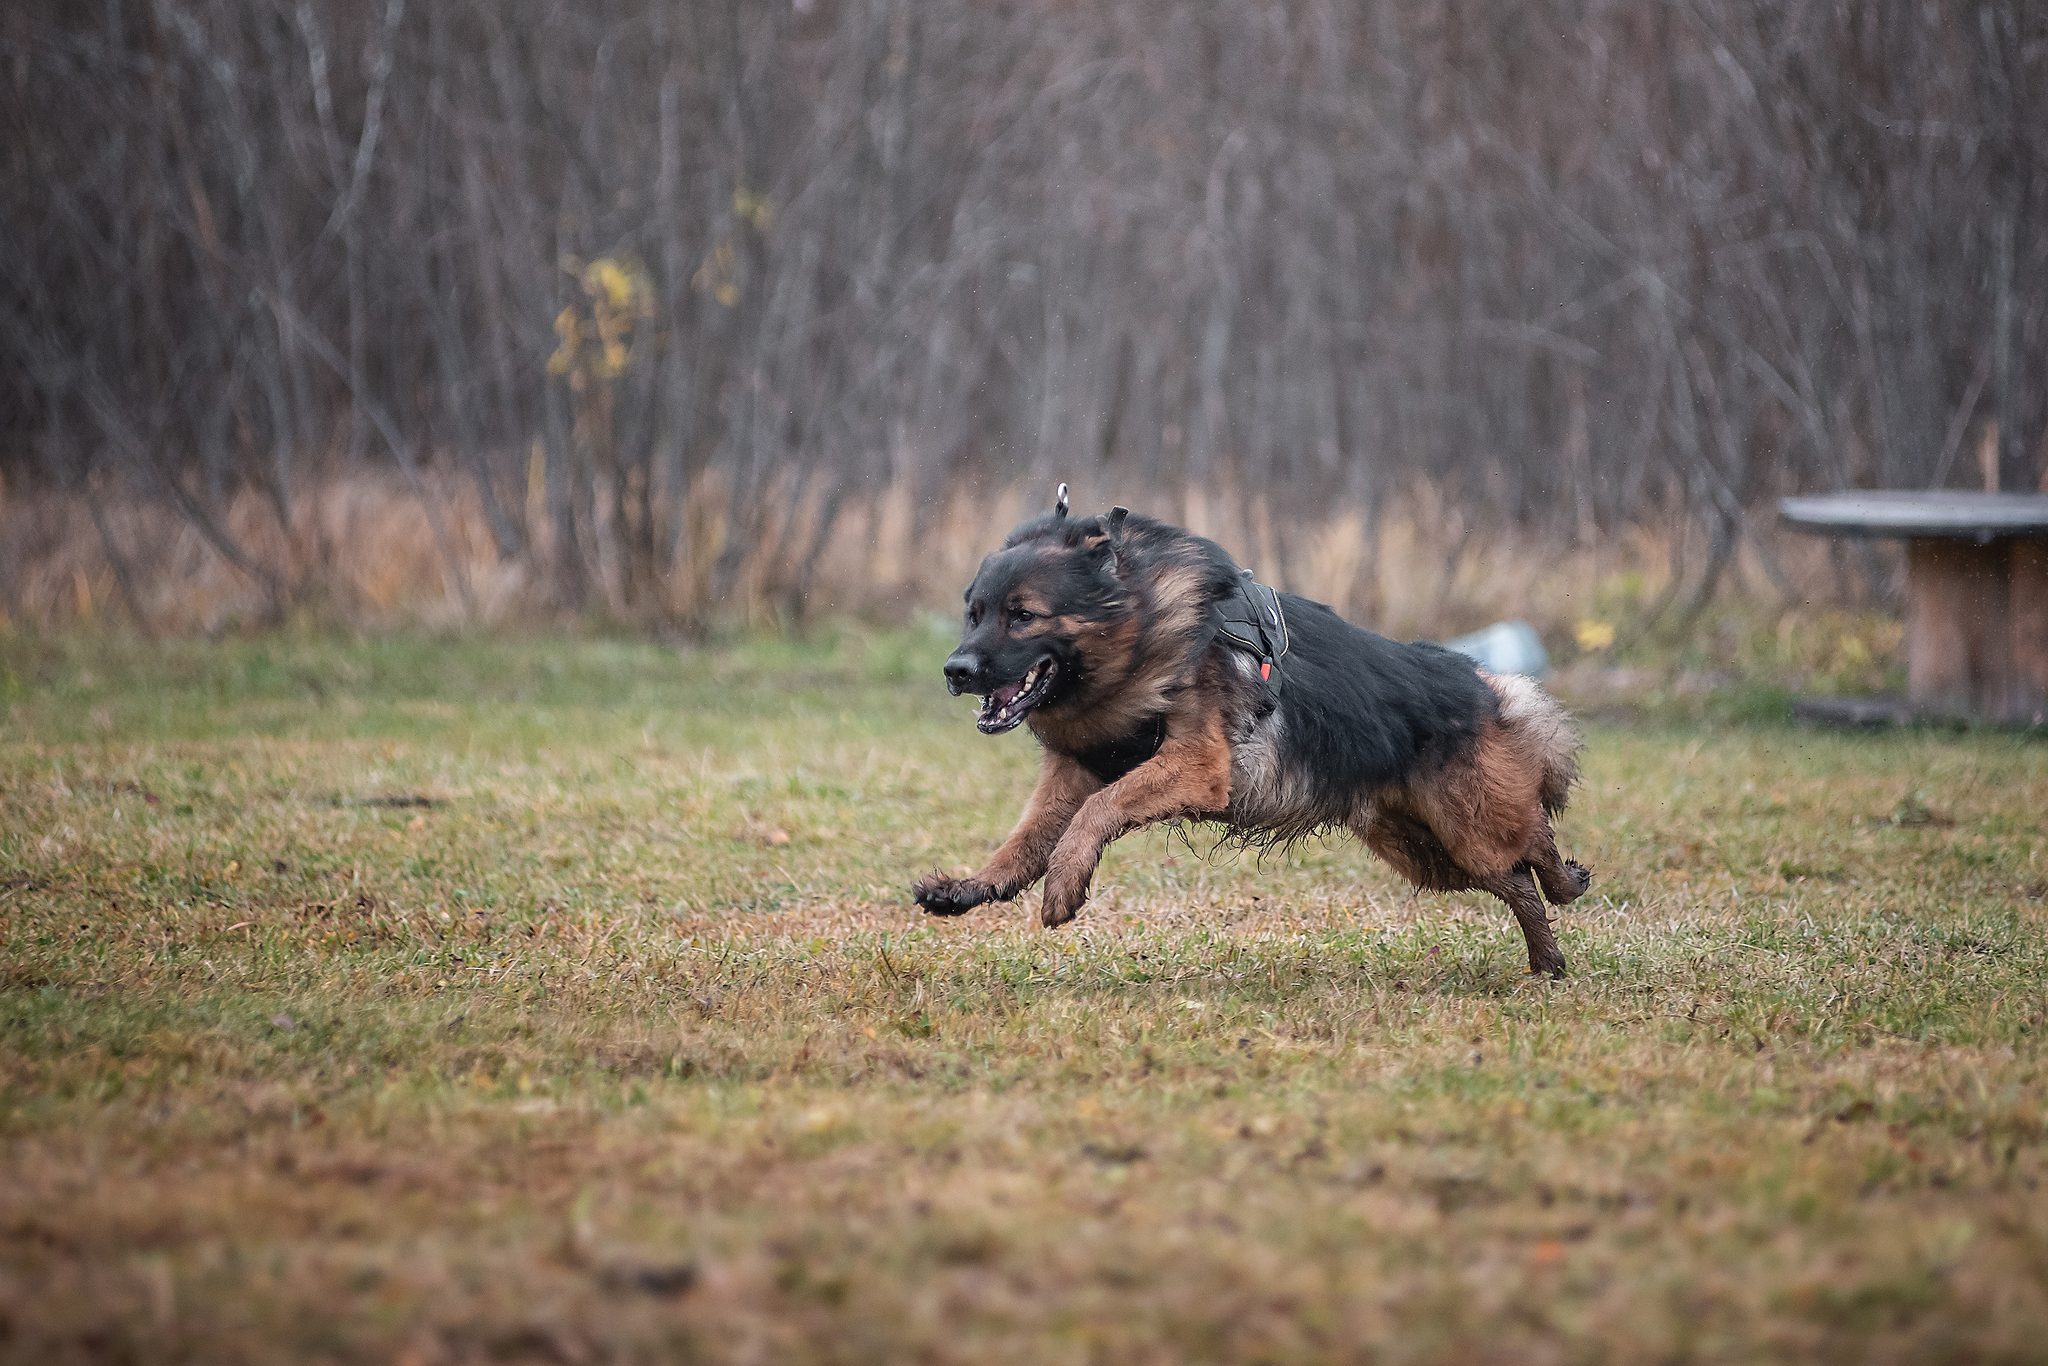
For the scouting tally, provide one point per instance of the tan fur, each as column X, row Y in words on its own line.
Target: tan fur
column 1112, row 658
column 1181, row 602
column 1138, row 664
column 1542, row 730
column 1189, row 777
column 1484, row 810
column 1483, row 824
column 1063, row 786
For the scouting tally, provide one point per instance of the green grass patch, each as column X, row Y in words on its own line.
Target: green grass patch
column 440, row 1000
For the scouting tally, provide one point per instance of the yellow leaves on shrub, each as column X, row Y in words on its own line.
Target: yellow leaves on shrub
column 621, row 295
column 570, row 332
column 1593, row 635
column 754, row 208
column 608, row 280
column 719, row 275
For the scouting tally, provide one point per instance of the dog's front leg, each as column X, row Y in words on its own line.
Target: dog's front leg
column 1063, row 785
column 1188, row 777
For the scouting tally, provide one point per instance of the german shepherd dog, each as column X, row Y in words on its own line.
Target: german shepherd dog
column 1125, row 644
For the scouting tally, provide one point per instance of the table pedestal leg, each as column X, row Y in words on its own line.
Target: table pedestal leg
column 2027, row 616
column 1958, row 637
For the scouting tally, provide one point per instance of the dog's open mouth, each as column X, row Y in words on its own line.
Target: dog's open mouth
column 1002, row 709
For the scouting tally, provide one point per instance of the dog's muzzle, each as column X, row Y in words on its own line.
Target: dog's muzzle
column 962, row 671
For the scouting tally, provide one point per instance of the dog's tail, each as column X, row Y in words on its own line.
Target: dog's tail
column 1544, row 730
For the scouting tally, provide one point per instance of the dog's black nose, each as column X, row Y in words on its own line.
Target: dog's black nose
column 961, row 671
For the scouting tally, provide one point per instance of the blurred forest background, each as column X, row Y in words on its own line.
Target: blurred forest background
column 454, row 310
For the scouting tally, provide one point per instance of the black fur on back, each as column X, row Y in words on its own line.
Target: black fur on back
column 1361, row 711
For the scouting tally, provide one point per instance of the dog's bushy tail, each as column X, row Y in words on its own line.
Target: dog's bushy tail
column 1545, row 730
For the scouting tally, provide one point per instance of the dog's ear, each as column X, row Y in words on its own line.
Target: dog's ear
column 1113, row 527
column 1059, row 505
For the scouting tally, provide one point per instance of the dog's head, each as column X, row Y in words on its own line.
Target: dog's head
column 1033, row 612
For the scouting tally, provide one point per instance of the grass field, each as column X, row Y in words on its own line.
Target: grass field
column 431, row 1001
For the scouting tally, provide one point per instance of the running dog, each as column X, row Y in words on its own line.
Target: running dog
column 1164, row 685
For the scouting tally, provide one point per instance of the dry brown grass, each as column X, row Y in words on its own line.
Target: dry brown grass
column 360, row 553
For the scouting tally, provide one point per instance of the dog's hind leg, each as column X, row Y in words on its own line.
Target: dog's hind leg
column 1562, row 880
column 1413, row 850
column 1518, row 888
column 1063, row 785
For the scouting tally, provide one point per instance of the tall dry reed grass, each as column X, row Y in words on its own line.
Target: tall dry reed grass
column 362, row 551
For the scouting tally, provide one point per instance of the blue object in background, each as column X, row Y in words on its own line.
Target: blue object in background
column 1506, row 647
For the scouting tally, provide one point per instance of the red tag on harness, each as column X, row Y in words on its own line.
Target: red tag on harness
column 1266, row 671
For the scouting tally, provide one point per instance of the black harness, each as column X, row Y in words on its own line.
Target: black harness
column 1250, row 619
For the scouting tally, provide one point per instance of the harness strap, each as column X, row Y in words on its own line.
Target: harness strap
column 1253, row 620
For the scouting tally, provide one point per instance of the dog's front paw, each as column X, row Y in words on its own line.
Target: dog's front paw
column 942, row 895
column 1062, row 902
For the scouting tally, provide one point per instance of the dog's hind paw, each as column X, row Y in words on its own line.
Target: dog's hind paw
column 942, row 895
column 1567, row 884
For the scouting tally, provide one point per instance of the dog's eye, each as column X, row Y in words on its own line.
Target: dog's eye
column 1019, row 617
